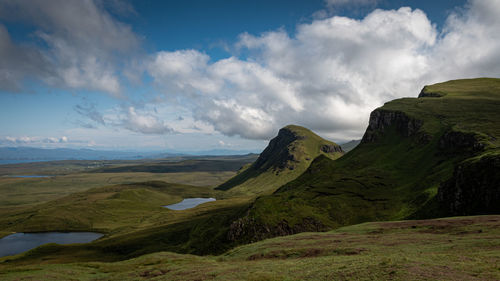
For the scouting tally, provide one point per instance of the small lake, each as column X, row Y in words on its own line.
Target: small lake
column 21, row 242
column 188, row 203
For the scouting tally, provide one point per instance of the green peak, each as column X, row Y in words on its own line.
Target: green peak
column 285, row 158
column 303, row 133
column 477, row 87
column 296, row 128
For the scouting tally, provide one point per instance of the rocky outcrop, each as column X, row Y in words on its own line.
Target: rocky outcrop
column 276, row 154
column 331, row 148
column 474, row 188
column 248, row 230
column 381, row 120
column 426, row 93
column 453, row 142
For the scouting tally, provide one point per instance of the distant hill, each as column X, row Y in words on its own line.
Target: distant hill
column 217, row 152
column 184, row 164
column 432, row 156
column 12, row 155
column 350, row 145
column 286, row 157
column 26, row 154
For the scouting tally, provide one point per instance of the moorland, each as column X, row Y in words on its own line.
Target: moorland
column 417, row 198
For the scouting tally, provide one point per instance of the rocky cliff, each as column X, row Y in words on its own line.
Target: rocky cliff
column 454, row 142
column 474, row 188
column 431, row 156
column 277, row 154
column 248, row 230
column 381, row 120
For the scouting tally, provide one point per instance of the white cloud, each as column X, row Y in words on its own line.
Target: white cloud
column 80, row 41
column 229, row 94
column 33, row 140
column 470, row 43
column 332, row 72
column 17, row 62
column 145, row 123
column 328, row 75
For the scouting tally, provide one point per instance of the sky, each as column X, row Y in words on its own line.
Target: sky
column 198, row 75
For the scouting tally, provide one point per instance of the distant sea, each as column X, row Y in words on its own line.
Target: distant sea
column 4, row 162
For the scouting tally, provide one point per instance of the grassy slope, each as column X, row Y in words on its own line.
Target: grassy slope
column 30, row 191
column 72, row 176
column 105, row 209
column 130, row 212
column 268, row 176
column 394, row 177
column 465, row 248
column 388, row 179
column 133, row 219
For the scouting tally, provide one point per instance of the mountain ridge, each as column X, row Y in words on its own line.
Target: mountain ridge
column 285, row 158
column 409, row 164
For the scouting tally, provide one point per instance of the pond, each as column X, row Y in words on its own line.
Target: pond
column 188, row 203
column 20, row 242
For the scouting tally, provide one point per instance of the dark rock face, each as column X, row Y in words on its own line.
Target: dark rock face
column 474, row 188
column 331, row 148
column 248, row 230
column 277, row 151
column 429, row 95
column 459, row 142
column 381, row 120
column 426, row 94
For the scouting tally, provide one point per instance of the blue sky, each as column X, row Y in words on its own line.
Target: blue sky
column 200, row 75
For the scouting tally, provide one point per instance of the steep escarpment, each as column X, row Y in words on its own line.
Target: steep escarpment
column 381, row 120
column 473, row 189
column 455, row 142
column 248, row 230
column 285, row 158
column 276, row 155
column 420, row 157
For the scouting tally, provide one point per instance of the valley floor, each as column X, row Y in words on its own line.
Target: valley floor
column 460, row 248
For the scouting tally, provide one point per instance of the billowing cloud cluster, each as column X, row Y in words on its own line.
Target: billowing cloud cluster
column 31, row 140
column 145, row 123
column 328, row 75
column 79, row 44
column 332, row 72
column 139, row 120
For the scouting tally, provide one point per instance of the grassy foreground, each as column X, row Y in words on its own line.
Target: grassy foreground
column 460, row 248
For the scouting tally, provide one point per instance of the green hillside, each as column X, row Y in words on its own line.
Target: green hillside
column 431, row 156
column 286, row 157
column 464, row 248
column 133, row 220
column 109, row 209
